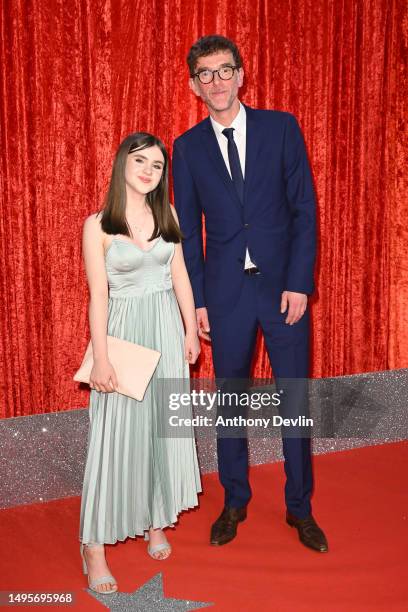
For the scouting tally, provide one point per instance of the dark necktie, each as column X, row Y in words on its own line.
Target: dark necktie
column 235, row 165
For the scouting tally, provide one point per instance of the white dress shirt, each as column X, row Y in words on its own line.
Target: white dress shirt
column 239, row 125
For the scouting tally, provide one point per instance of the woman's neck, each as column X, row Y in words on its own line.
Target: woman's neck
column 135, row 203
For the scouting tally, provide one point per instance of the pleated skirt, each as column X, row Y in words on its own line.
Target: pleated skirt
column 136, row 478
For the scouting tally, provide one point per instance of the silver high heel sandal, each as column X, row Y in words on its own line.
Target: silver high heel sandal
column 98, row 581
column 154, row 549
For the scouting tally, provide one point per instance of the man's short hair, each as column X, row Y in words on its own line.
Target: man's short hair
column 208, row 45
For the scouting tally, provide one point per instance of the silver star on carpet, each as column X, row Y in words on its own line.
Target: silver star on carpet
column 148, row 598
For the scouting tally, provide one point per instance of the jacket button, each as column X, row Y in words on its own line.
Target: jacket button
column 246, row 225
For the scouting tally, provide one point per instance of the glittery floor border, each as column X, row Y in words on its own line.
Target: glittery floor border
column 43, row 456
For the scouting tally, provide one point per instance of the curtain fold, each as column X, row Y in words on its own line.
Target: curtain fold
column 78, row 76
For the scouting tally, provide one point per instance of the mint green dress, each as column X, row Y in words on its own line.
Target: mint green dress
column 134, row 478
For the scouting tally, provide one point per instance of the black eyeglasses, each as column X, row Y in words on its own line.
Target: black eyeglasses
column 225, row 73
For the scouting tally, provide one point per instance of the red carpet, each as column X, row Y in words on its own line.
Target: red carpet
column 361, row 501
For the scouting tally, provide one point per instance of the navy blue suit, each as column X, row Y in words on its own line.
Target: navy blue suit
column 277, row 222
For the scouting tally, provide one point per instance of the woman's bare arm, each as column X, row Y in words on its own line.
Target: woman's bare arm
column 94, row 259
column 185, row 299
column 93, row 253
column 182, row 287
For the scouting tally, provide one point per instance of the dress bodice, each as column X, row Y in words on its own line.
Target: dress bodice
column 133, row 271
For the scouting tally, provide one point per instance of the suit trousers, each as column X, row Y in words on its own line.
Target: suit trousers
column 233, row 338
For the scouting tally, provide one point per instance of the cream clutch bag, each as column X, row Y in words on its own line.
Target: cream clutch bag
column 134, row 366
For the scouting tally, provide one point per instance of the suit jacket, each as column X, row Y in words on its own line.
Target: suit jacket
column 277, row 220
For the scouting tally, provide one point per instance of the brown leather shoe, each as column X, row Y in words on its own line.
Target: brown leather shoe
column 309, row 531
column 225, row 527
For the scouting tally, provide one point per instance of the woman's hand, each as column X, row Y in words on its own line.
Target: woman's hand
column 192, row 347
column 103, row 377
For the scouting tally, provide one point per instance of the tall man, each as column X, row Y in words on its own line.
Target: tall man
column 247, row 171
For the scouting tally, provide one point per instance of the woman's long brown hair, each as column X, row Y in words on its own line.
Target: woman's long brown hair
column 113, row 220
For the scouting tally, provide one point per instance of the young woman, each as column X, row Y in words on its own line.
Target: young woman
column 136, row 482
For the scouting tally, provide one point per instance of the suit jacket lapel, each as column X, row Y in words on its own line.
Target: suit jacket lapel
column 253, row 140
column 214, row 152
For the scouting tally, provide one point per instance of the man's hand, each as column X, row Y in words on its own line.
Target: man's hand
column 297, row 303
column 203, row 324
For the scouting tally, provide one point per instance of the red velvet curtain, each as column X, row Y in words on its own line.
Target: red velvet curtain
column 80, row 75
